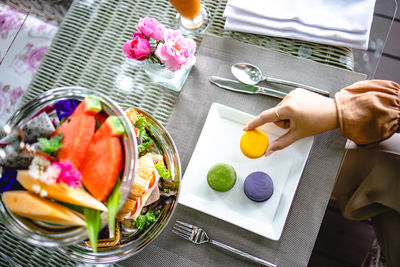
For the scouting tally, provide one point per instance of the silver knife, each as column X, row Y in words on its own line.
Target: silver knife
column 245, row 88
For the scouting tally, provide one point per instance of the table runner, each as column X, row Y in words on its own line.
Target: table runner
column 87, row 52
column 215, row 57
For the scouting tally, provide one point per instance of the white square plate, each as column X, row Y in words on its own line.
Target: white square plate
column 219, row 141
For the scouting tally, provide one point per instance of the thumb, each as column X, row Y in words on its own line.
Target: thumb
column 283, row 141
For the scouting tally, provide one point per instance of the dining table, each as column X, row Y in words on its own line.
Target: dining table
column 87, row 51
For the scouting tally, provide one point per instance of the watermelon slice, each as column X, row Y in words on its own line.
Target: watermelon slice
column 103, row 160
column 78, row 129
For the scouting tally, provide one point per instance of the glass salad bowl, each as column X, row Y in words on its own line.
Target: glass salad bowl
column 50, row 235
column 131, row 240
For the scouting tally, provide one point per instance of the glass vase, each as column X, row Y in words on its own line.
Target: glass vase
column 161, row 75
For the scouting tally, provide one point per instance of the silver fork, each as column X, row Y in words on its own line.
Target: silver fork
column 199, row 236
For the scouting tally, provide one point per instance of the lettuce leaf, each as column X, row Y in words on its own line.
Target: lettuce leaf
column 141, row 124
column 144, row 221
column 163, row 171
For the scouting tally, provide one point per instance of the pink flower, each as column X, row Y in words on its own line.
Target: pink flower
column 138, row 48
column 35, row 57
column 9, row 21
column 176, row 50
column 68, row 175
column 151, row 28
column 16, row 93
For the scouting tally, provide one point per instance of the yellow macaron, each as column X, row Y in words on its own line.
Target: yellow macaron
column 254, row 143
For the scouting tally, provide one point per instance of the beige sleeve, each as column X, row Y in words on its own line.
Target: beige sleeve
column 369, row 111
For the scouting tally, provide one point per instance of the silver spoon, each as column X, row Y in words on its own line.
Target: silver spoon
column 250, row 74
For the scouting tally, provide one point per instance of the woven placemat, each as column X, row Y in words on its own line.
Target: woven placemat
column 25, row 254
column 87, row 52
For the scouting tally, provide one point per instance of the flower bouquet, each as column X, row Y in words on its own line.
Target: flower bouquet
column 168, row 56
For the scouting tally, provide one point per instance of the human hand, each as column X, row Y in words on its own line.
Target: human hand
column 303, row 112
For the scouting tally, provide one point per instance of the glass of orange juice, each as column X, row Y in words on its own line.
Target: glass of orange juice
column 192, row 18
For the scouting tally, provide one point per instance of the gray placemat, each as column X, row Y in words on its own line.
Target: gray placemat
column 215, row 56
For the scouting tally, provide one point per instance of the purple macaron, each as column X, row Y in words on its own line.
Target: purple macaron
column 258, row 186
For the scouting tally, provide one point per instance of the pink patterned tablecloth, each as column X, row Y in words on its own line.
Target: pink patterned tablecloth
column 24, row 40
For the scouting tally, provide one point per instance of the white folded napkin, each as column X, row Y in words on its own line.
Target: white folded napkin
column 334, row 22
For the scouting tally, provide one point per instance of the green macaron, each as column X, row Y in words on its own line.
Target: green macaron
column 221, row 177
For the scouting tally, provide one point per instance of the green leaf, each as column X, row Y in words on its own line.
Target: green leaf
column 140, row 222
column 144, row 221
column 113, row 204
column 93, row 224
column 145, row 137
column 163, row 171
column 143, row 147
column 51, row 145
column 141, row 122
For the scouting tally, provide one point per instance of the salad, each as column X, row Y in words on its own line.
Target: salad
column 153, row 191
column 73, row 174
column 153, row 185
